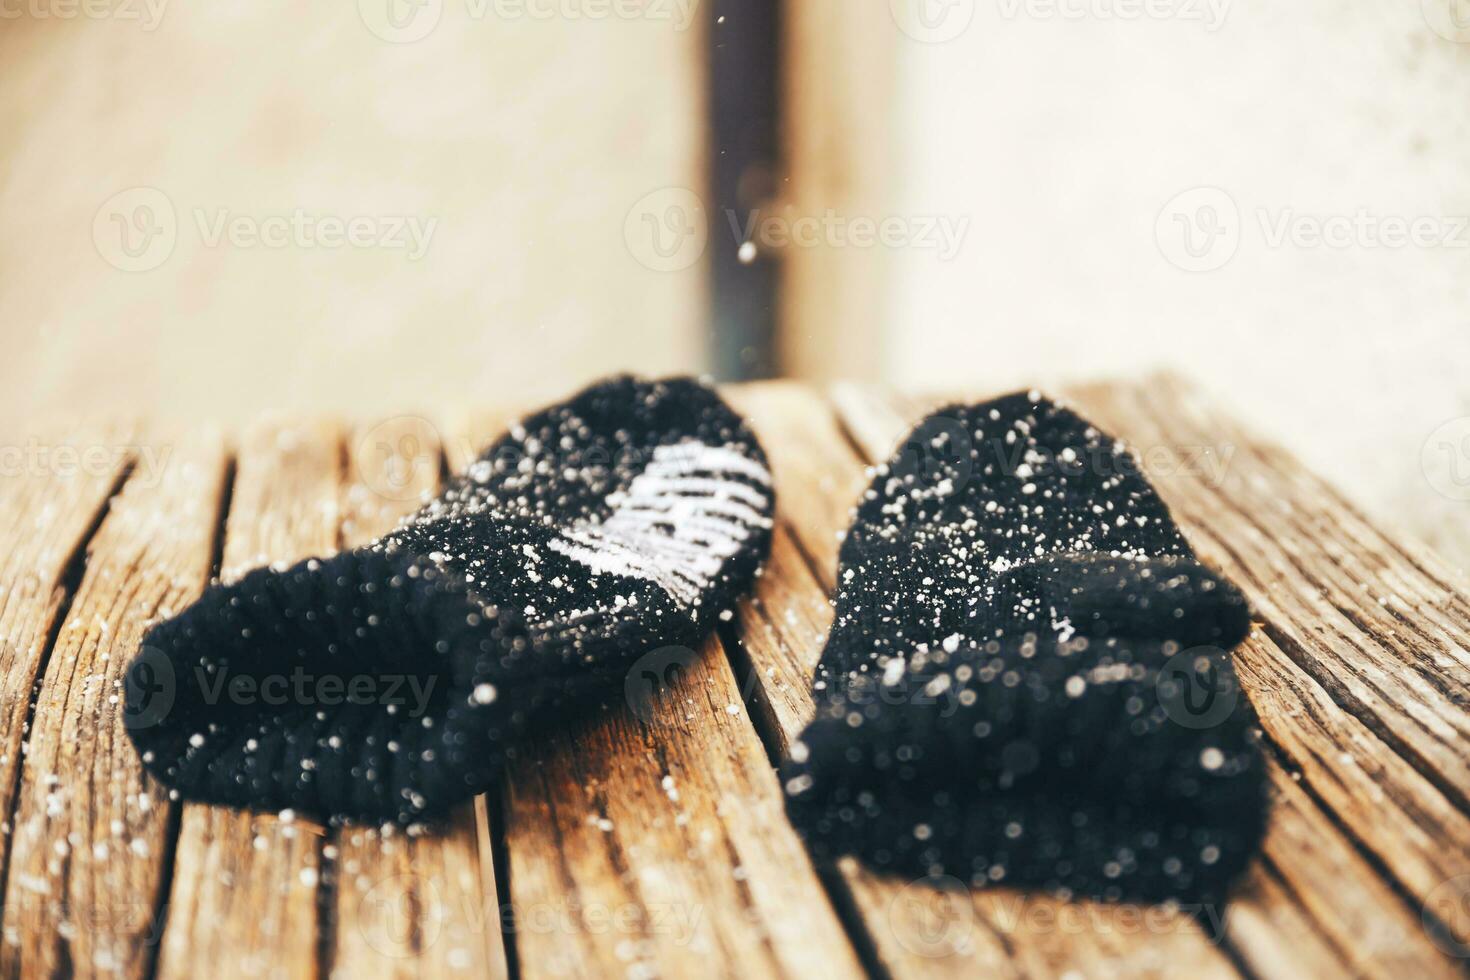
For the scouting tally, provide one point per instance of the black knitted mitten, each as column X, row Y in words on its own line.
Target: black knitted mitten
column 385, row 682
column 1028, row 680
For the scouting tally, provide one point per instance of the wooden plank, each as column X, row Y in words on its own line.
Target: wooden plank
column 1342, row 902
column 245, row 885
column 408, row 904
column 649, row 838
column 659, row 845
column 817, row 479
column 49, row 504
column 1273, row 933
column 90, row 832
column 1386, row 807
column 924, row 928
column 1384, row 803
column 791, row 613
column 940, row 928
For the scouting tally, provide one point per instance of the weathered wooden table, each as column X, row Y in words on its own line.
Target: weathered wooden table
column 650, row 839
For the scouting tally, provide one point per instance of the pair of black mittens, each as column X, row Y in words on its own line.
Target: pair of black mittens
column 1028, row 680
column 387, row 682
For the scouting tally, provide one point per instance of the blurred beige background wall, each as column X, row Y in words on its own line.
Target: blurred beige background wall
column 1271, row 197
column 228, row 208
column 356, row 206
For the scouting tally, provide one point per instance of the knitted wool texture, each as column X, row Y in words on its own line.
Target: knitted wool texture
column 1028, row 678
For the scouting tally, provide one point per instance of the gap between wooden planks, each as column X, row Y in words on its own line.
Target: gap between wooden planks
column 89, row 835
column 256, row 894
column 245, row 886
column 1400, row 816
column 47, row 514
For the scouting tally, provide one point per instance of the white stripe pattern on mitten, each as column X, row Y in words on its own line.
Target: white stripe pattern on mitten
column 678, row 520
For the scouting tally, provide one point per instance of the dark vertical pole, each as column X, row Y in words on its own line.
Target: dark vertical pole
column 744, row 129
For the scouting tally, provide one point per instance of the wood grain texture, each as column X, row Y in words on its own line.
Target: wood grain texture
column 1333, row 899
column 90, row 832
column 1384, row 804
column 649, row 838
column 1390, row 809
column 47, row 511
column 421, row 903
column 1361, row 673
column 940, row 928
column 416, row 904
column 921, row 928
column 245, row 887
column 1275, row 934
